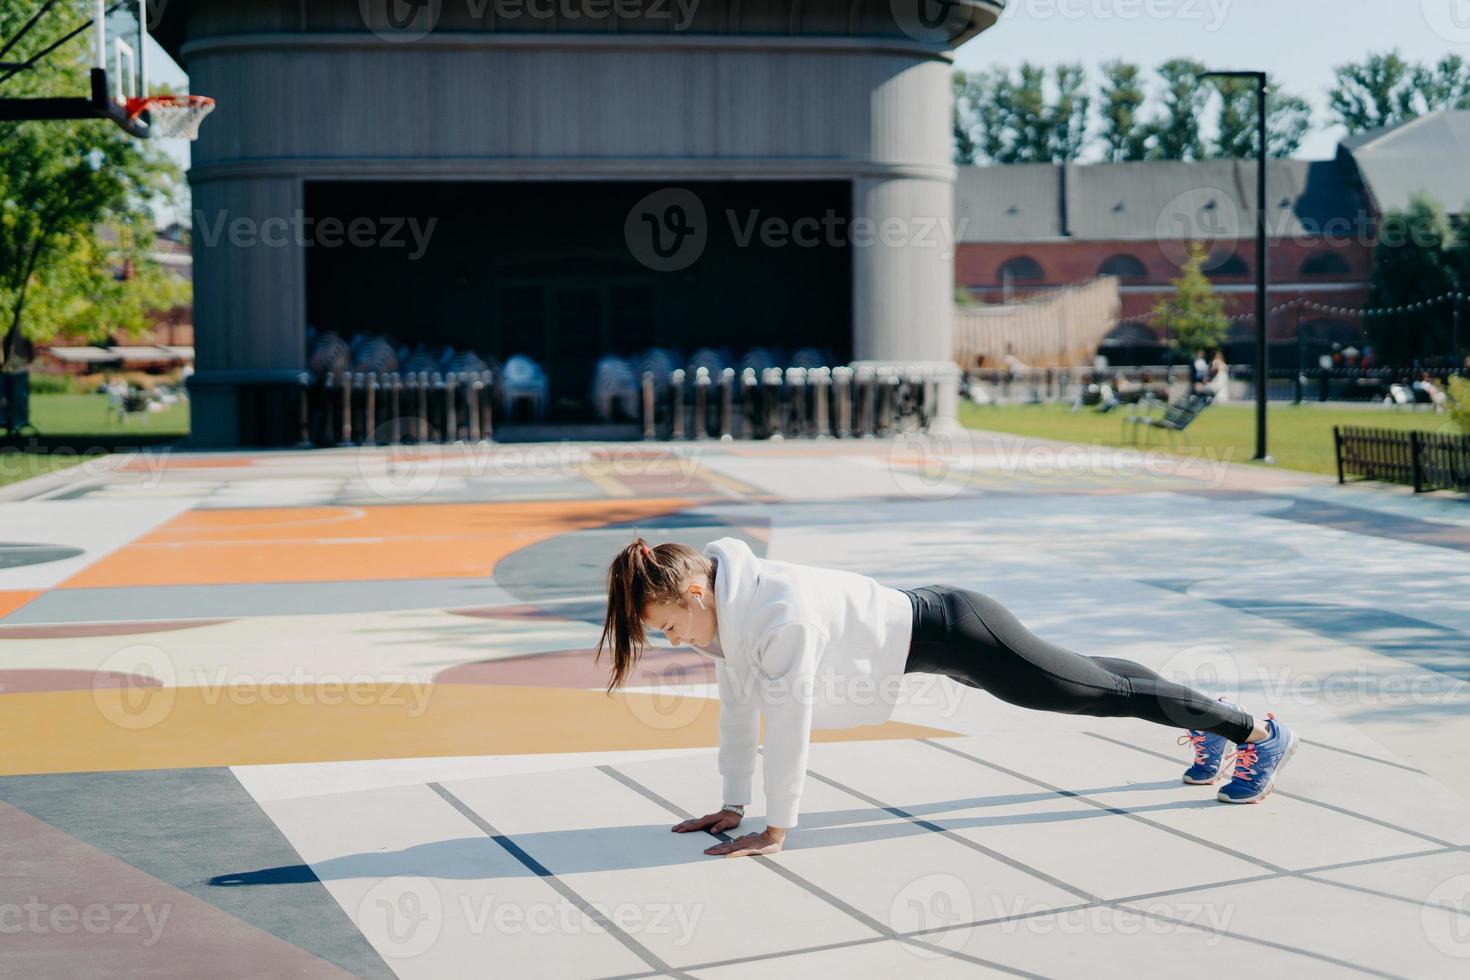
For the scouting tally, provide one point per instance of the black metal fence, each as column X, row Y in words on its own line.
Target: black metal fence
column 1424, row 460
column 357, row 408
column 1283, row 384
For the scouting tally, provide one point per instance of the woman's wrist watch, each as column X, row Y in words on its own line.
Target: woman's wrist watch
column 736, row 808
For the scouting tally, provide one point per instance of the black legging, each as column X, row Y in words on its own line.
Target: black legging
column 975, row 640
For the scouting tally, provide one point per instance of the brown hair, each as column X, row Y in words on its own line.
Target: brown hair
column 641, row 574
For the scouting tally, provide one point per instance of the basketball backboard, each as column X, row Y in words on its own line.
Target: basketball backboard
column 117, row 86
column 120, row 48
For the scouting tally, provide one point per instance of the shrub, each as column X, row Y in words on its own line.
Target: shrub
column 52, row 384
column 1459, row 402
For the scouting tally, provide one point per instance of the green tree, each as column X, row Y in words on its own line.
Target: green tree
column 1372, row 93
column 1016, row 119
column 61, row 184
column 1124, row 133
column 964, row 91
column 1029, row 119
column 1288, row 119
column 1175, row 130
column 1068, row 114
column 1385, row 90
column 1446, row 85
column 1194, row 317
column 1459, row 402
column 1419, row 255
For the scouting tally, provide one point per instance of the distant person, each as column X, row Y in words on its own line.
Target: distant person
column 1220, row 377
column 1436, row 395
column 117, row 391
column 1201, row 371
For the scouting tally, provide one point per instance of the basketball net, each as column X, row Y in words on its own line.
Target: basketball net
column 172, row 115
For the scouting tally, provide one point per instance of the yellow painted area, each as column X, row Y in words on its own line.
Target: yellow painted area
column 121, row 729
column 605, row 482
column 344, row 544
column 739, row 487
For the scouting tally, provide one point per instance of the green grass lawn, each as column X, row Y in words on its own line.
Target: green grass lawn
column 82, row 416
column 1298, row 436
column 86, row 415
column 15, row 467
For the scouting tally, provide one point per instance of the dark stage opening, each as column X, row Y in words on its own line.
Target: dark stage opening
column 565, row 272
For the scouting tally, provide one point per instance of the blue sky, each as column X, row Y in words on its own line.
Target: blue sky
column 1297, row 41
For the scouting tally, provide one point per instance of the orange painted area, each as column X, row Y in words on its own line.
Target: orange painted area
column 11, row 601
column 343, row 544
column 120, row 729
column 189, row 462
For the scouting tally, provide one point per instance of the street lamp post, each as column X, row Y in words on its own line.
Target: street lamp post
column 1259, row 77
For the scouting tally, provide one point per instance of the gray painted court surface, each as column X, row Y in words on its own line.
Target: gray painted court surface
column 472, row 817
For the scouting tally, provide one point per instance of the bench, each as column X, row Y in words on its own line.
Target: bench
column 1174, row 419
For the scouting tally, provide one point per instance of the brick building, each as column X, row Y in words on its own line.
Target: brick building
column 1036, row 227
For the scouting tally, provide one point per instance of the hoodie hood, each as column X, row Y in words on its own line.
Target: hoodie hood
column 736, row 577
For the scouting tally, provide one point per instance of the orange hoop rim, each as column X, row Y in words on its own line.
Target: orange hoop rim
column 136, row 107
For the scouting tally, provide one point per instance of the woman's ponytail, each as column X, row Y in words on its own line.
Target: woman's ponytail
column 638, row 575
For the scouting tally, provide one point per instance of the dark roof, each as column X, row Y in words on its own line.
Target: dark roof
column 1015, row 203
column 178, row 21
column 1149, row 200
column 1430, row 155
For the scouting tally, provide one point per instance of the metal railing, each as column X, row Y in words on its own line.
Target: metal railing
column 789, row 403
column 361, row 408
column 365, row 408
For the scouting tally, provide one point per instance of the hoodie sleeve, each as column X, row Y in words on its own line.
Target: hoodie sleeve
column 788, row 657
column 739, row 731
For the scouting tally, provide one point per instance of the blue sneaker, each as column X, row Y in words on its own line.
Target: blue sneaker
column 1209, row 753
column 1256, row 765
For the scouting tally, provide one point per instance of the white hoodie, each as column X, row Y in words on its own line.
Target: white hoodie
column 806, row 647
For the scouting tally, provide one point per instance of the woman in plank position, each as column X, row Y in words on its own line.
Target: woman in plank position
column 781, row 633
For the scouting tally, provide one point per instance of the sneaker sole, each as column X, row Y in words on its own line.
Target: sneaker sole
column 1270, row 783
column 1203, row 782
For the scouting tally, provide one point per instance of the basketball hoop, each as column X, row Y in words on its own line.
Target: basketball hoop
column 172, row 115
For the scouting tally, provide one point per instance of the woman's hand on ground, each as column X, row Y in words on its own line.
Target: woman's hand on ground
column 715, row 823
column 768, row 841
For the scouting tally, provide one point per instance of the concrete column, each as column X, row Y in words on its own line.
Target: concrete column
column 903, row 280
column 249, row 306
